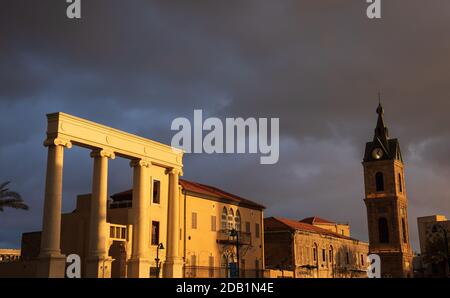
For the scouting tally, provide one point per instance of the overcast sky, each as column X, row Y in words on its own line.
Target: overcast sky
column 317, row 65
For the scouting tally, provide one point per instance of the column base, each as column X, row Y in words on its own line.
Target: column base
column 138, row 268
column 98, row 267
column 173, row 268
column 51, row 266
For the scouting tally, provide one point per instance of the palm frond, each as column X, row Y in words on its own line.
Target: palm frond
column 3, row 185
column 10, row 194
column 13, row 203
column 10, row 199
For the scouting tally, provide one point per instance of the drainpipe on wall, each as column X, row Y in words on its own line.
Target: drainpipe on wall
column 294, row 261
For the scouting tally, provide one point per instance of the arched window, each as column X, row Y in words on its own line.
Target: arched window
column 231, row 219
column 315, row 251
column 379, row 181
column 405, row 239
column 331, row 255
column 383, row 230
column 400, row 183
column 237, row 220
column 224, row 219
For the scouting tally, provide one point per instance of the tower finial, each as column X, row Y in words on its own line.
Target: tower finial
column 380, row 109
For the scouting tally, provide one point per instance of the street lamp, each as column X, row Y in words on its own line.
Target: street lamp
column 235, row 233
column 160, row 246
column 444, row 230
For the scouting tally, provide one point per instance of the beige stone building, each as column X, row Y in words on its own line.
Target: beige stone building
column 208, row 215
column 434, row 237
column 194, row 230
column 313, row 248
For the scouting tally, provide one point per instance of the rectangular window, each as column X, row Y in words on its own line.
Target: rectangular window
column 155, row 232
column 211, row 266
column 194, row 220
column 247, row 227
column 257, row 268
column 242, row 269
column 315, row 254
column 362, row 260
column 156, row 191
column 324, row 256
column 213, row 223
column 257, row 230
column 194, row 265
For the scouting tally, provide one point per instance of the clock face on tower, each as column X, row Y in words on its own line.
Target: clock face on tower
column 377, row 153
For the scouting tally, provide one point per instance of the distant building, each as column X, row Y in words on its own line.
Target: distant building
column 313, row 247
column 340, row 228
column 9, row 255
column 433, row 231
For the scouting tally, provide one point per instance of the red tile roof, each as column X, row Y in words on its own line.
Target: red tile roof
column 318, row 220
column 202, row 189
column 198, row 188
column 280, row 224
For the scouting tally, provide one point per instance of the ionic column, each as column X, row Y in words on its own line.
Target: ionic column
column 139, row 264
column 51, row 261
column 98, row 261
column 173, row 267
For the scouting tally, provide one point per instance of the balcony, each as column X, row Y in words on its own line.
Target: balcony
column 225, row 237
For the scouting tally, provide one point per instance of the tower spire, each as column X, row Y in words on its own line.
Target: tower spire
column 381, row 130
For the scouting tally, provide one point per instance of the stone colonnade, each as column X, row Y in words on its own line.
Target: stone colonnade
column 98, row 263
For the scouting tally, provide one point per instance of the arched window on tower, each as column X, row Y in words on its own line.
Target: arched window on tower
column 379, row 181
column 383, row 230
column 224, row 219
column 400, row 183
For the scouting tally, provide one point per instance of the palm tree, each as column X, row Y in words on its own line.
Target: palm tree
column 10, row 198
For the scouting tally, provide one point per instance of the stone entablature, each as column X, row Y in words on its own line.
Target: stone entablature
column 65, row 129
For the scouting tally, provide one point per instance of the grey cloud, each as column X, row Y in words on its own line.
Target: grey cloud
column 317, row 65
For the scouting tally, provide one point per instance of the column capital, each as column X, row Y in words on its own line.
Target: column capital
column 175, row 171
column 140, row 163
column 103, row 153
column 58, row 142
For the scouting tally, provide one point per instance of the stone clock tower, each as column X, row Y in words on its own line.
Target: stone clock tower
column 386, row 202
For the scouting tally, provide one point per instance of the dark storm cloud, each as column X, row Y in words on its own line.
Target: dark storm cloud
column 317, row 65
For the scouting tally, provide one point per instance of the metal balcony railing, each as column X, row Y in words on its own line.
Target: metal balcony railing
column 228, row 236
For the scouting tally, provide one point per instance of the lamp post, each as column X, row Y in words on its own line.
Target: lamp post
column 444, row 230
column 160, row 246
column 235, row 233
